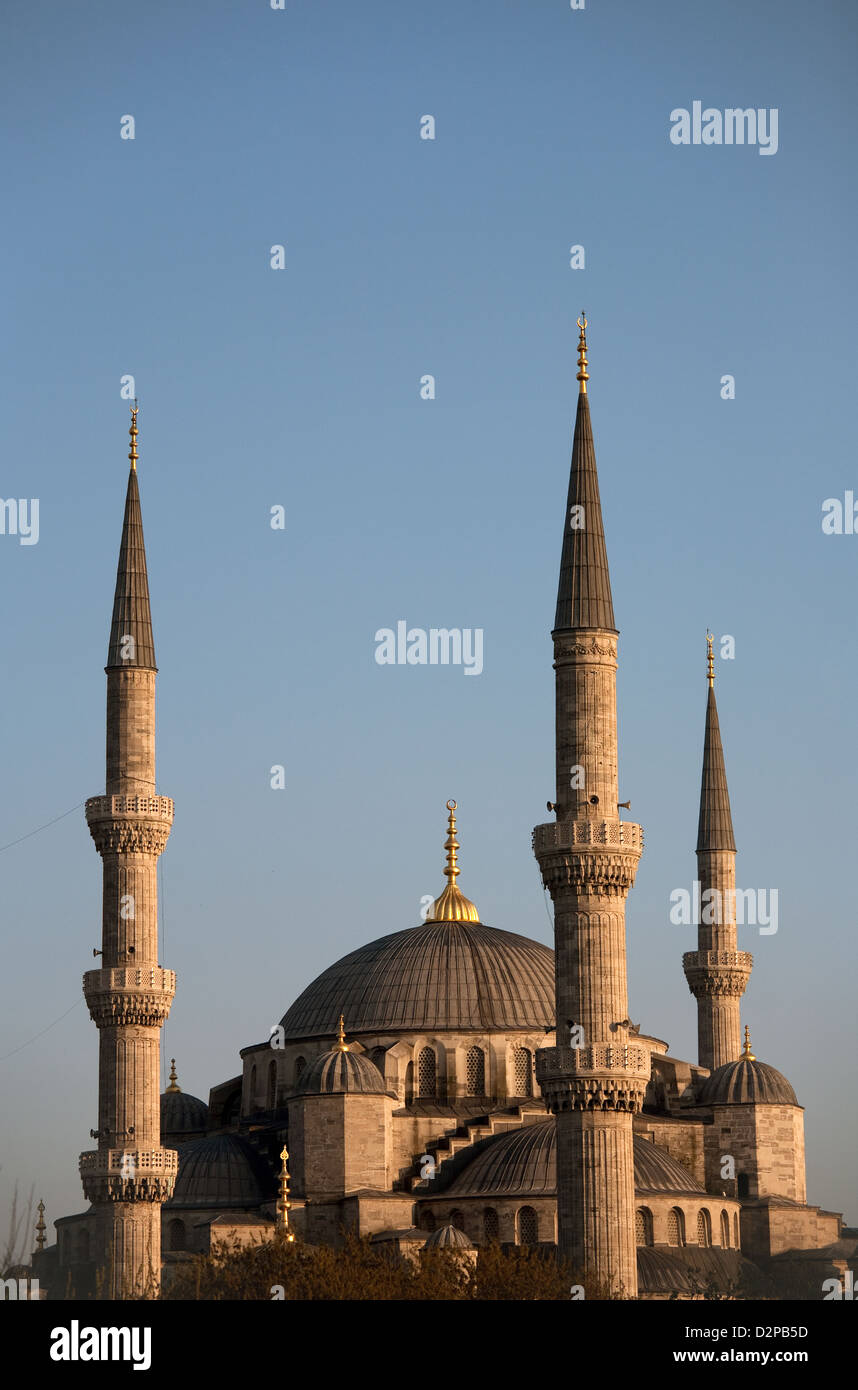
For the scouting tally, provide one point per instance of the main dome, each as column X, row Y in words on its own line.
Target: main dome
column 441, row 976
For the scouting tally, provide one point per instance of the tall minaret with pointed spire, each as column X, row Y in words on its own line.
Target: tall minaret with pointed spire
column 595, row 1079
column 129, row 1175
column 717, row 972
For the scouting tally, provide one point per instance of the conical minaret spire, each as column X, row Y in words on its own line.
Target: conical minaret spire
column 584, row 592
column 595, row 1078
column 129, row 1175
column 715, row 825
column 131, row 642
column 717, row 972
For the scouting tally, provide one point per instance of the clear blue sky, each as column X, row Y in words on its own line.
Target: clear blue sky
column 257, row 387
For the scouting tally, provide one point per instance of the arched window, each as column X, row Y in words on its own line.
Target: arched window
column 427, row 1220
column 251, row 1095
column 232, row 1108
column 643, row 1226
column 271, row 1097
column 300, row 1068
column 426, row 1071
column 523, row 1079
column 491, row 1225
column 675, row 1227
column 475, row 1068
column 725, row 1229
column 704, row 1229
column 736, row 1229
column 409, row 1083
column 457, row 1219
column 528, row 1227
column 176, row 1234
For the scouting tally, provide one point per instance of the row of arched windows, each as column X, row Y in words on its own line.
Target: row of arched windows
column 271, row 1083
column 475, row 1073
column 426, row 1075
column 526, row 1224
column 676, row 1234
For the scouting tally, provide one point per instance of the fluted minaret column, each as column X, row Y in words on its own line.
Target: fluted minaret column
column 588, row 860
column 717, row 972
column 129, row 1175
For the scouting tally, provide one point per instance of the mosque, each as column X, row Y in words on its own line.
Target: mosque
column 452, row 1084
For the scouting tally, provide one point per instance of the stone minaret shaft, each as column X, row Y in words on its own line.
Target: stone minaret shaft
column 129, row 1175
column 588, row 859
column 717, row 972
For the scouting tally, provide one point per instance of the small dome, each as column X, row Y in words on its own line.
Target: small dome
column 221, row 1171
column 181, row 1114
column 448, row 1238
column 746, row 1082
column 341, row 1071
column 524, row 1161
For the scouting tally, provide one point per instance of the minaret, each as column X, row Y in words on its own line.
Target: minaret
column 595, row 1079
column 717, row 972
column 129, row 1175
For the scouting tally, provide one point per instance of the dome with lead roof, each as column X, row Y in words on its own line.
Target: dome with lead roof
column 342, row 1071
column 524, row 1162
column 746, row 1082
column 452, row 973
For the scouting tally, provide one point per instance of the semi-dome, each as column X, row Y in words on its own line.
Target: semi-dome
column 181, row 1113
column 221, row 1171
column 524, row 1161
column 451, row 973
column 342, row 1070
column 746, row 1082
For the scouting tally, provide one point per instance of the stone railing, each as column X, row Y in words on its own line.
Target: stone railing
column 103, row 807
column 129, row 978
column 569, row 834
column 118, row 1162
column 629, row 1058
column 740, row 960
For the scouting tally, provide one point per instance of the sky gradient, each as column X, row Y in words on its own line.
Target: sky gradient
column 301, row 387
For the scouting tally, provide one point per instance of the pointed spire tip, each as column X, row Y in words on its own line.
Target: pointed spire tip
column 133, row 433
column 583, row 375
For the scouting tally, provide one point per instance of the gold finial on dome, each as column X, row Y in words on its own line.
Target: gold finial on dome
column 341, row 1045
column 583, row 375
column 748, row 1054
column 133, row 433
column 710, row 670
column 40, row 1227
column 173, row 1078
column 283, row 1203
column 452, row 906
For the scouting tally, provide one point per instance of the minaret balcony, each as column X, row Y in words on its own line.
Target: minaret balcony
column 717, row 972
column 597, row 1060
column 130, row 824
column 588, row 856
column 124, row 996
column 109, row 807
column 568, row 834
column 129, row 1175
column 606, row 1076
